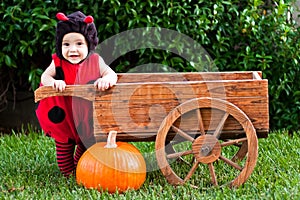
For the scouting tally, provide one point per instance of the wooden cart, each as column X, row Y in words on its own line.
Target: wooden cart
column 196, row 120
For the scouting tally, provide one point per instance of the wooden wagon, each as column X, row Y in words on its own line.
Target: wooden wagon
column 197, row 119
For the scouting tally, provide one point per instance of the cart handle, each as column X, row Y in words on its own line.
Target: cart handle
column 84, row 91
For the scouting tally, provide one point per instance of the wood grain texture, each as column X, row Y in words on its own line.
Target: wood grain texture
column 206, row 148
column 138, row 103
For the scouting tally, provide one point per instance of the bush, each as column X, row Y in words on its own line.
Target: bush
column 238, row 35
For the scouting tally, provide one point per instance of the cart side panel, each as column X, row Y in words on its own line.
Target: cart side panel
column 136, row 110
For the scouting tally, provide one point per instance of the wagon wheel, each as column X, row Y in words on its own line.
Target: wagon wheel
column 202, row 146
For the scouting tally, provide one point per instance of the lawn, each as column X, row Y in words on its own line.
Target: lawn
column 28, row 170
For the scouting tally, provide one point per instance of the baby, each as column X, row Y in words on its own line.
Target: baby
column 68, row 120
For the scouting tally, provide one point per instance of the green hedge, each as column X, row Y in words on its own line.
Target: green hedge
column 238, row 35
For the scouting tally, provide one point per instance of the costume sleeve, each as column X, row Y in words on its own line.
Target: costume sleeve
column 56, row 60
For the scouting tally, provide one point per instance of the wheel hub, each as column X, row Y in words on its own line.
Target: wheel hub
column 206, row 149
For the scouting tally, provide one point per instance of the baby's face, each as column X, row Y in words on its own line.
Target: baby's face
column 74, row 47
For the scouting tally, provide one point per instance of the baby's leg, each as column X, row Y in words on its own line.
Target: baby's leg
column 65, row 157
column 78, row 153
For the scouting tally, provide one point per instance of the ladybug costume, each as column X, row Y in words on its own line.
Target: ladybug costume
column 68, row 120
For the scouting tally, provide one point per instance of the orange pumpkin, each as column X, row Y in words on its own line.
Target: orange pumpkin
column 112, row 166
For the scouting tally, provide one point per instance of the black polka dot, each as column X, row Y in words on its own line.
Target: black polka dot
column 56, row 114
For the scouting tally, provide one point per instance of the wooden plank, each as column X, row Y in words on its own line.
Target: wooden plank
column 186, row 90
column 185, row 76
column 87, row 92
column 141, row 108
column 150, row 123
column 257, row 76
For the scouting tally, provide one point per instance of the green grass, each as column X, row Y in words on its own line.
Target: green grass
column 28, row 170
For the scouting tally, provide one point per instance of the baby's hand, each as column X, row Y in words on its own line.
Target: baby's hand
column 103, row 84
column 59, row 85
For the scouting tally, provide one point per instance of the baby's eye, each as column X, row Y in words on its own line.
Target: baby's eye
column 79, row 43
column 66, row 44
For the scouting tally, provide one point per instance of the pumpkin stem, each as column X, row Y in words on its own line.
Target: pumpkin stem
column 111, row 140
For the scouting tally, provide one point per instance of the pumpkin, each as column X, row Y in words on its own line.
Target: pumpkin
column 112, row 166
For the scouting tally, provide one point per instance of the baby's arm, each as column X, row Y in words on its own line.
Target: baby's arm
column 47, row 78
column 108, row 77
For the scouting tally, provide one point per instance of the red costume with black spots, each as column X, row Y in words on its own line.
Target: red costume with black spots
column 64, row 118
column 68, row 120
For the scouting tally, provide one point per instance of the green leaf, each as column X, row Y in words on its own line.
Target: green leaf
column 30, row 51
column 8, row 61
column 45, row 27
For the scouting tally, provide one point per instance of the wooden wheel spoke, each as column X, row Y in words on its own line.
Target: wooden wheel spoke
column 205, row 146
column 179, row 154
column 233, row 142
column 186, row 162
column 200, row 121
column 220, row 125
column 212, row 174
column 182, row 133
column 240, row 155
column 231, row 163
column 191, row 172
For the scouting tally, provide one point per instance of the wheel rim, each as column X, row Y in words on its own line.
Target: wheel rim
column 205, row 148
